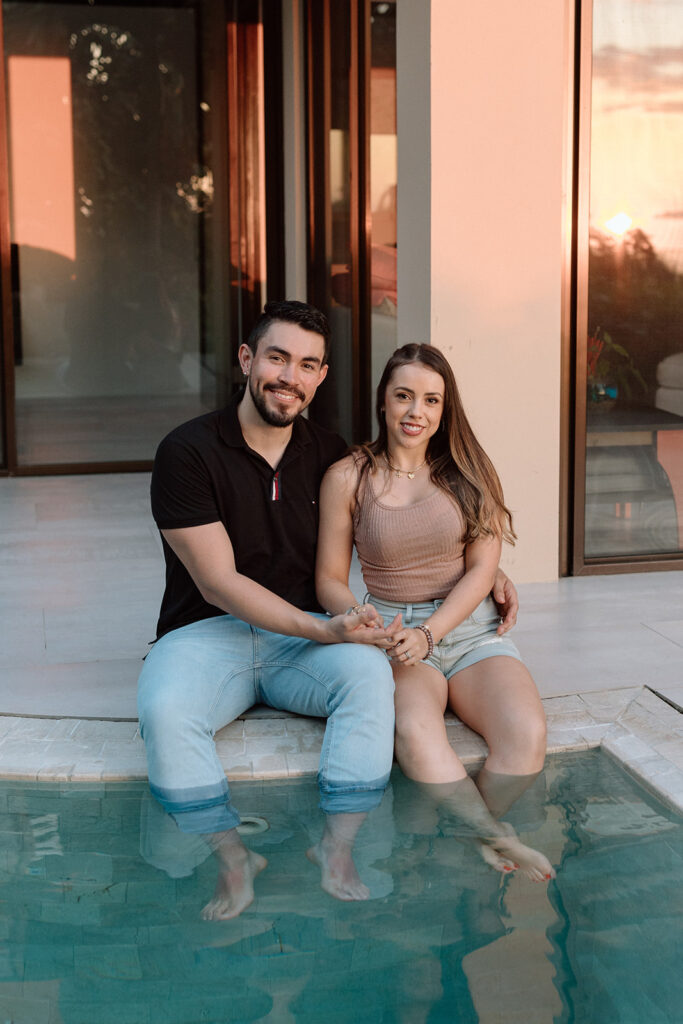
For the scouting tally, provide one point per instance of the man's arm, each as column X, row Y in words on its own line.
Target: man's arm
column 506, row 597
column 207, row 554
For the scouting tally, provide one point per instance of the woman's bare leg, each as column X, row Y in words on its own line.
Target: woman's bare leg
column 426, row 757
column 498, row 699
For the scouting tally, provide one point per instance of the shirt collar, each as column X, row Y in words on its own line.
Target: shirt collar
column 231, row 432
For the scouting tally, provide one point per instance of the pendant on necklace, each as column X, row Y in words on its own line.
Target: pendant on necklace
column 410, row 473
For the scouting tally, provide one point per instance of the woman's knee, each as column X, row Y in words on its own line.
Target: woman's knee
column 523, row 747
column 417, row 733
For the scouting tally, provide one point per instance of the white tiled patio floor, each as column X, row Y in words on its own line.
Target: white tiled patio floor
column 81, row 576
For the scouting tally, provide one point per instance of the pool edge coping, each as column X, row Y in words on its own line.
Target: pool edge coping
column 635, row 726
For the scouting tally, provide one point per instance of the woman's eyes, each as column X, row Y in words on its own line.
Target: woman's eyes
column 432, row 400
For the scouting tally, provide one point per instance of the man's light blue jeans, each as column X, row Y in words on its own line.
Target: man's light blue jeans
column 199, row 677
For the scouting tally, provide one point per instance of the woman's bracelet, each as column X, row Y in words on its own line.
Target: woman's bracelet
column 355, row 609
column 430, row 640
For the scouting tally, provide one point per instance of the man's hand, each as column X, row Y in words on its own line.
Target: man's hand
column 505, row 596
column 363, row 626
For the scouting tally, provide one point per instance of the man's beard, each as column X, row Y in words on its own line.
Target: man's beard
column 273, row 419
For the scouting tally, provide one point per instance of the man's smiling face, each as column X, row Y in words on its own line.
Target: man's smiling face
column 284, row 372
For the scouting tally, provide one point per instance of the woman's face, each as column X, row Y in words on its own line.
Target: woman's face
column 413, row 406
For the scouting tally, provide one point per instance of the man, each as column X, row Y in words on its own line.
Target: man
column 234, row 494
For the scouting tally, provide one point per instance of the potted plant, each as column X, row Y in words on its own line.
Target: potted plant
column 611, row 371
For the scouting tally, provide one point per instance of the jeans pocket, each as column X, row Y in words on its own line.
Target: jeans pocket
column 486, row 613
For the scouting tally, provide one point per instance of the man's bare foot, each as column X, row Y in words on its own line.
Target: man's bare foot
column 235, row 884
column 338, row 875
column 533, row 863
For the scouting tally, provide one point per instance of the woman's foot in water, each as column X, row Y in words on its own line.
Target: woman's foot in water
column 534, row 864
column 495, row 859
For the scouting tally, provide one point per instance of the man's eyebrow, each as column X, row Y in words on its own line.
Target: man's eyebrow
column 288, row 355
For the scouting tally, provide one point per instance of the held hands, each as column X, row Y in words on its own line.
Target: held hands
column 361, row 624
column 409, row 646
column 403, row 645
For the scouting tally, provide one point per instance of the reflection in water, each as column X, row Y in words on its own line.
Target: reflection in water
column 634, row 457
column 93, row 931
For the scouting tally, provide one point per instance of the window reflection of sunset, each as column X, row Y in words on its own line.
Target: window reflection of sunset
column 619, row 224
column 637, row 123
column 41, row 153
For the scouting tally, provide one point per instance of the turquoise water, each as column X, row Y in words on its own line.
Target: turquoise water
column 99, row 919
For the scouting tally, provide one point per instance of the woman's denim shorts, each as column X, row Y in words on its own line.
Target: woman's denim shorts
column 470, row 642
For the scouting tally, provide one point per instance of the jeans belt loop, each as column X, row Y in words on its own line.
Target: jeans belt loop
column 409, row 614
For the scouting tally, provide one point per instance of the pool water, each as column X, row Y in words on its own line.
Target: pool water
column 101, row 899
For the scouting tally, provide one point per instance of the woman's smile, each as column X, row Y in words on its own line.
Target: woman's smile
column 413, row 405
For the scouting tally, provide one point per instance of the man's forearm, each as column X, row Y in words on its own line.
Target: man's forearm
column 248, row 600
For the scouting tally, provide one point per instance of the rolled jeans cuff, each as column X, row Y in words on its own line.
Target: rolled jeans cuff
column 204, row 809
column 340, row 798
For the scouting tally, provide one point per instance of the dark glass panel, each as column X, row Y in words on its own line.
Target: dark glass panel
column 634, row 454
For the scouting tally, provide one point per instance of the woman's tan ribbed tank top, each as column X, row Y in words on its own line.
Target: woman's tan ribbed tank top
column 414, row 553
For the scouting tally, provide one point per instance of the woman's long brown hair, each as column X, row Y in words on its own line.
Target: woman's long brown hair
column 457, row 462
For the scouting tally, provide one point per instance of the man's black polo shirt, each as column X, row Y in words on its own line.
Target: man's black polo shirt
column 204, row 472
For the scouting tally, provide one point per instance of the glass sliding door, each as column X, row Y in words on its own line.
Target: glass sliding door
column 630, row 327
column 352, row 200
column 383, row 189
column 137, row 219
column 106, row 197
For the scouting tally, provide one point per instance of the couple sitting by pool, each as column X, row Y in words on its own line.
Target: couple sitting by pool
column 235, row 495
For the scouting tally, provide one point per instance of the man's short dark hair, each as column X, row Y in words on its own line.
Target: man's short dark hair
column 291, row 312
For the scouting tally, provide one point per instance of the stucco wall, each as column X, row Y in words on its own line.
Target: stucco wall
column 499, row 87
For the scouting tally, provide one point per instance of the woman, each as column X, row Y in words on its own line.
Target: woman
column 425, row 508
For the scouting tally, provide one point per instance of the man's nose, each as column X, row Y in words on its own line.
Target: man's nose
column 289, row 373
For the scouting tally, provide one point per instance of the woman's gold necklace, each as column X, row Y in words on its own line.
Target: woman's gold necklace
column 403, row 472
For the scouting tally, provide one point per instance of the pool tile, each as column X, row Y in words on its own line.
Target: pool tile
column 569, row 719
column 233, row 731
column 244, row 771
column 57, row 772
column 265, row 727
column 267, row 766
column 593, row 734
column 260, row 746
column 296, row 724
column 24, row 1008
column 302, row 763
column 90, row 731
column 565, row 739
column 228, row 750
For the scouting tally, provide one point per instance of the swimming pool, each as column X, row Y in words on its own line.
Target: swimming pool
column 101, row 896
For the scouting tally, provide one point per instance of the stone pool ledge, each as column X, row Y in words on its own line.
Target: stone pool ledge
column 634, row 725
